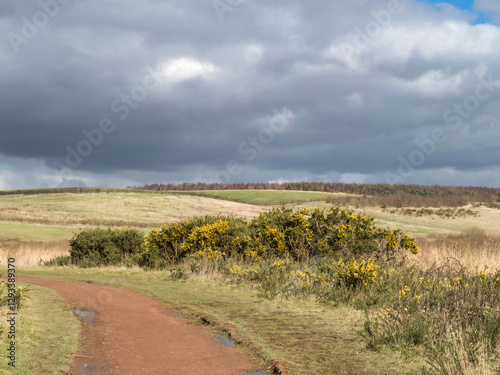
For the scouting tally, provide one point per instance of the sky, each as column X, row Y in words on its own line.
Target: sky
column 121, row 93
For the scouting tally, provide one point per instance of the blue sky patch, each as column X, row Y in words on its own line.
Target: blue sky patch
column 466, row 5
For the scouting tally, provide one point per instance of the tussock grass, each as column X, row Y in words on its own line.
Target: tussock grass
column 472, row 249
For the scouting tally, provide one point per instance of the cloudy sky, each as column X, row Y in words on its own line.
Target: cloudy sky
column 127, row 92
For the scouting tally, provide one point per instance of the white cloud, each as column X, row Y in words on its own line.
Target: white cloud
column 184, row 68
column 451, row 42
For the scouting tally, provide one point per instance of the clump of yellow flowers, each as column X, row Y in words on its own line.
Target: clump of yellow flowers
column 353, row 273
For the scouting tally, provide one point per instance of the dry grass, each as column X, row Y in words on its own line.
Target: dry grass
column 472, row 249
column 483, row 217
column 31, row 253
column 115, row 209
column 456, row 361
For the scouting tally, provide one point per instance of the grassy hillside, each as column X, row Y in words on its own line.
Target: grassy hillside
column 267, row 197
column 111, row 208
column 52, row 214
column 367, row 194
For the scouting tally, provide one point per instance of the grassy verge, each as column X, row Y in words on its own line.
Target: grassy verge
column 46, row 336
column 307, row 337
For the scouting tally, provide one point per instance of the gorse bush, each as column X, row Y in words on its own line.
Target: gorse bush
column 278, row 233
column 353, row 274
column 209, row 236
column 96, row 246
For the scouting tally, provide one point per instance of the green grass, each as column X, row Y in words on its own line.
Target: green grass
column 46, row 336
column 28, row 232
column 265, row 197
column 308, row 337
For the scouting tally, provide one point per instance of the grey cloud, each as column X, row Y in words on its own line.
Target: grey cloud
column 222, row 81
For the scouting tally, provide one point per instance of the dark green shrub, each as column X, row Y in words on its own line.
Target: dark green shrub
column 96, row 246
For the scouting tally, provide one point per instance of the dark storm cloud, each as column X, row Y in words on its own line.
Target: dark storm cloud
column 138, row 92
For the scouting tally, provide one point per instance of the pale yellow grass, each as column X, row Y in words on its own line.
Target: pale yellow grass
column 487, row 219
column 115, row 209
column 472, row 249
column 32, row 253
column 457, row 361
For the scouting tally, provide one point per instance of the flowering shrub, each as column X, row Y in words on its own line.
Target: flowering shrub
column 278, row 233
column 354, row 274
column 203, row 240
column 210, row 236
column 281, row 233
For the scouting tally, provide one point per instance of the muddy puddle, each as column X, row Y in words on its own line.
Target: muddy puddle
column 231, row 344
column 225, row 341
column 91, row 369
column 86, row 314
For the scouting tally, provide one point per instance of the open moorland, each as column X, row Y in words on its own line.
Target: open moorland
column 366, row 311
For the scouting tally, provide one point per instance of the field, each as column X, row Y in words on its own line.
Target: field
column 36, row 227
column 113, row 209
column 267, row 197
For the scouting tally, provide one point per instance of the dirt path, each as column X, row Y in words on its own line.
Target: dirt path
column 134, row 334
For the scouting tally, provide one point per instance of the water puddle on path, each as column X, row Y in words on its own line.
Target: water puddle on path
column 225, row 341
column 86, row 314
column 231, row 344
column 91, row 369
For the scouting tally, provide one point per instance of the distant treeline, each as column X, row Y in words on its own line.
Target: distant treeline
column 73, row 190
column 384, row 195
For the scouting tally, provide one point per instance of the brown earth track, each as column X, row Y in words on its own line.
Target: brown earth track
column 134, row 334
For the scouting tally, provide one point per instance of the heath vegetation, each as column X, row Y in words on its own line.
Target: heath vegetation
column 433, row 298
